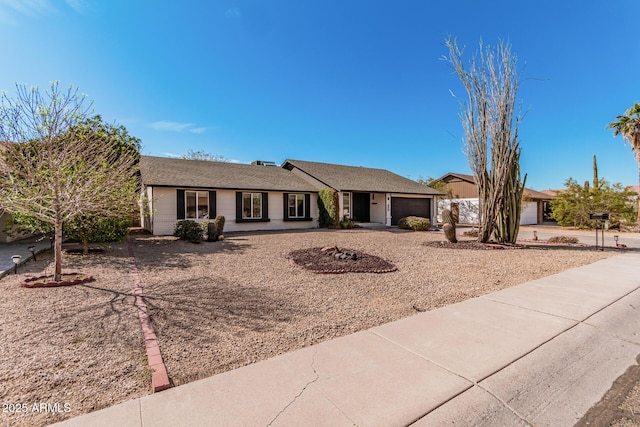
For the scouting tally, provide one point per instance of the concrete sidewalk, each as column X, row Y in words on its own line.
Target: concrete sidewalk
column 541, row 353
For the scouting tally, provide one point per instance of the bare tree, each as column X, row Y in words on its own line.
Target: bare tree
column 490, row 123
column 203, row 155
column 55, row 166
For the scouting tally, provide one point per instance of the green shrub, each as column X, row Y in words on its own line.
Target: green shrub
column 189, row 230
column 572, row 205
column 348, row 223
column 562, row 239
column 415, row 223
column 328, row 207
column 94, row 229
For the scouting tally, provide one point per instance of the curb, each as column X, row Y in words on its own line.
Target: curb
column 159, row 376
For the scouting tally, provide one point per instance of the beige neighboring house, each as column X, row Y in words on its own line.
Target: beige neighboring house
column 462, row 200
column 264, row 196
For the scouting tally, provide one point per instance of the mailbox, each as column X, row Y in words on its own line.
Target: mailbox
column 601, row 216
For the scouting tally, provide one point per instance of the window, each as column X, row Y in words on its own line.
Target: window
column 251, row 205
column 346, row 205
column 296, row 206
column 193, row 204
column 196, row 204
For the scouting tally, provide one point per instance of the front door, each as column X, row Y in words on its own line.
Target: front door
column 361, row 207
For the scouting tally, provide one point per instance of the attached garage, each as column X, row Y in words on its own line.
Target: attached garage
column 409, row 206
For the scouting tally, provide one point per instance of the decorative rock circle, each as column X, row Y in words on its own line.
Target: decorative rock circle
column 325, row 261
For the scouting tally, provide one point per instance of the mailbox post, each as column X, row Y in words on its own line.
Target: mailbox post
column 599, row 217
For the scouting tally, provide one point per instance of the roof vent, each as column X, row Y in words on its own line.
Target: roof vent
column 263, row 163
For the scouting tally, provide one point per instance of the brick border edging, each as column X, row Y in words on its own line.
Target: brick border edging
column 159, row 376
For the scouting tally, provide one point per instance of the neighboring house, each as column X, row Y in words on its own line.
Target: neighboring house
column 462, row 200
column 370, row 195
column 262, row 196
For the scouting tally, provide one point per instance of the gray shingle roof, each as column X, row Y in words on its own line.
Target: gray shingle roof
column 356, row 178
column 537, row 195
column 169, row 172
column 468, row 178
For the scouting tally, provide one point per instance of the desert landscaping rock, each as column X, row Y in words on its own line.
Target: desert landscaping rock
column 217, row 306
column 334, row 260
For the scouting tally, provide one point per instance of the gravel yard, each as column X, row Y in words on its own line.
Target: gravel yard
column 218, row 306
column 78, row 348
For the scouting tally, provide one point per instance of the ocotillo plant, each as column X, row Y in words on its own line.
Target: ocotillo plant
column 508, row 223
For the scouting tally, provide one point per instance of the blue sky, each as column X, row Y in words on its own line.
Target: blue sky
column 357, row 82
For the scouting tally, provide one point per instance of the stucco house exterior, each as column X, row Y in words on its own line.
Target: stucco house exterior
column 462, row 200
column 367, row 194
column 260, row 196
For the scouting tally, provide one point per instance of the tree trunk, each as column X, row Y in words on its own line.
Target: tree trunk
column 85, row 245
column 57, row 276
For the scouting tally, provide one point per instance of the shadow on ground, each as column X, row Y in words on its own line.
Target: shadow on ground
column 168, row 253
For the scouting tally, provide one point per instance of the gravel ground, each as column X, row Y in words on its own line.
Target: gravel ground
column 218, row 306
column 76, row 348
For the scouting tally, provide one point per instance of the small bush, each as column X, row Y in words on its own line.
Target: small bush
column 562, row 239
column 348, row 223
column 189, row 230
column 415, row 223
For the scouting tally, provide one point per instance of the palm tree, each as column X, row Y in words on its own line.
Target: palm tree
column 628, row 125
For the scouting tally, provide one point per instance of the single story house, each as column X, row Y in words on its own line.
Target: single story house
column 462, row 199
column 250, row 197
column 367, row 194
column 263, row 196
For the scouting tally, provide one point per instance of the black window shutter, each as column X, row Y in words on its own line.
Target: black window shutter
column 180, row 204
column 286, row 206
column 238, row 205
column 307, row 206
column 212, row 204
column 265, row 205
